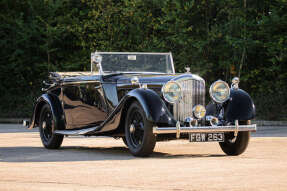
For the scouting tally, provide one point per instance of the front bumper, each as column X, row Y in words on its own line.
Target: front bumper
column 203, row 129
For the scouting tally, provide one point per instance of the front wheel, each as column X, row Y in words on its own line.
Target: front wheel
column 235, row 145
column 138, row 132
column 47, row 128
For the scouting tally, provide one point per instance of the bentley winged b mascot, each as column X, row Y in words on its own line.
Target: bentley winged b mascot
column 140, row 98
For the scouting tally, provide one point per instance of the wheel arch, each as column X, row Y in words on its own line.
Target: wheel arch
column 152, row 104
column 240, row 106
column 56, row 109
column 37, row 111
column 124, row 112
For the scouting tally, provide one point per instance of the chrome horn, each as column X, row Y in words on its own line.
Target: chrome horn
column 212, row 120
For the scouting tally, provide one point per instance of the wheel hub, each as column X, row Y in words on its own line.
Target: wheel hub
column 132, row 128
column 44, row 125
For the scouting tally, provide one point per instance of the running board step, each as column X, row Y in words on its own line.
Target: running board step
column 77, row 132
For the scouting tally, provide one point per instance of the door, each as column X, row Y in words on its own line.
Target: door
column 84, row 104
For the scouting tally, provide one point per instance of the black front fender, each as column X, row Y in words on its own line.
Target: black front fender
column 240, row 106
column 55, row 105
column 153, row 106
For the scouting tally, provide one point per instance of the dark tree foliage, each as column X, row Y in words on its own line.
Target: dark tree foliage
column 216, row 39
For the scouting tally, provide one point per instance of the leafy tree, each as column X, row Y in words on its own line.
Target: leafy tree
column 216, row 39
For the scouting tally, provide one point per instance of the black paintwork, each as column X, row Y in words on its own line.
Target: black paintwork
column 239, row 107
column 89, row 101
column 100, row 103
column 57, row 111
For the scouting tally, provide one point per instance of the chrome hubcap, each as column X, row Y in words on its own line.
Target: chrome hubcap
column 44, row 125
column 132, row 128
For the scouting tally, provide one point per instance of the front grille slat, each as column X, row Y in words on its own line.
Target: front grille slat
column 193, row 93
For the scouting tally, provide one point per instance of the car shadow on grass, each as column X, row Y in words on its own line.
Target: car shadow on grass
column 80, row 153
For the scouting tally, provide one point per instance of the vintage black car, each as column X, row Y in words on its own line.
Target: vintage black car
column 138, row 97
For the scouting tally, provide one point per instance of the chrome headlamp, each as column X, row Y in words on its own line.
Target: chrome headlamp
column 219, row 91
column 171, row 91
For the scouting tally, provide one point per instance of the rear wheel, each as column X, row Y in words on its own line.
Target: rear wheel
column 47, row 128
column 138, row 132
column 235, row 145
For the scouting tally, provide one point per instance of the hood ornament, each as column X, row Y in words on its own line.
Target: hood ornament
column 187, row 70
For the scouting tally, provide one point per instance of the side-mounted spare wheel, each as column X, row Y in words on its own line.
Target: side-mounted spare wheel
column 235, row 145
column 138, row 131
column 47, row 128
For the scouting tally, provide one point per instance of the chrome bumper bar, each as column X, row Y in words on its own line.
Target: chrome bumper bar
column 203, row 129
column 26, row 123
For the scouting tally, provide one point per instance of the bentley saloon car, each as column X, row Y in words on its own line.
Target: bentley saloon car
column 138, row 97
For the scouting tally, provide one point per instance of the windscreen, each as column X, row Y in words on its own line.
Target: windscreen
column 136, row 62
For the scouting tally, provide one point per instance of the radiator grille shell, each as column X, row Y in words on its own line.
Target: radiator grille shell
column 193, row 93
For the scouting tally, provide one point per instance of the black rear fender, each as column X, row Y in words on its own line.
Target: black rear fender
column 56, row 108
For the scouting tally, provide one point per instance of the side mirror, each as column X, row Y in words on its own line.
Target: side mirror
column 96, row 61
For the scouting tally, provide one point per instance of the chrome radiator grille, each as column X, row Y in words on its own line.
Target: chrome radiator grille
column 193, row 93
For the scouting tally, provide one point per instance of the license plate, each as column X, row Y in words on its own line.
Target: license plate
column 206, row 137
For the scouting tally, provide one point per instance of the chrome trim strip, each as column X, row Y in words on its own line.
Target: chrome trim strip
column 76, row 132
column 154, row 53
column 236, row 128
column 203, row 129
column 79, row 82
column 135, row 72
column 172, row 64
column 178, row 130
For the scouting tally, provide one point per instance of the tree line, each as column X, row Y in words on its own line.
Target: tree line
column 216, row 39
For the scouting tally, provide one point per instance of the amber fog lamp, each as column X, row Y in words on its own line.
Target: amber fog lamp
column 171, row 92
column 219, row 91
column 199, row 111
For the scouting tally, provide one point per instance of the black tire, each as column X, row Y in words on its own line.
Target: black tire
column 138, row 132
column 47, row 128
column 235, row 146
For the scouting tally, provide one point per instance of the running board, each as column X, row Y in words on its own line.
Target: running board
column 77, row 132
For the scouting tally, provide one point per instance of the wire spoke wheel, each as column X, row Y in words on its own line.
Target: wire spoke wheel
column 47, row 124
column 138, row 131
column 47, row 128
